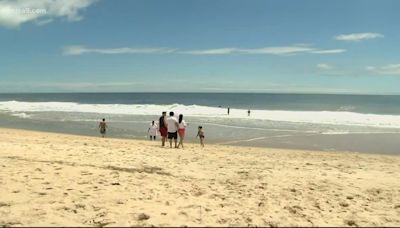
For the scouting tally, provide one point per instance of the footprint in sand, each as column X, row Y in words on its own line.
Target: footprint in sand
column 96, row 208
column 84, row 173
column 143, row 216
column 10, row 223
column 80, row 206
column 4, row 204
column 350, row 222
column 294, row 209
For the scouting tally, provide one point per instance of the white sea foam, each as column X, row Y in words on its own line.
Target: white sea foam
column 22, row 115
column 314, row 117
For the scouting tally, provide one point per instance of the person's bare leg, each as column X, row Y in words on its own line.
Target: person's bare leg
column 182, row 142
column 176, row 145
column 170, row 143
column 163, row 141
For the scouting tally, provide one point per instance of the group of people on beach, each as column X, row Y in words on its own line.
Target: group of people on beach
column 168, row 127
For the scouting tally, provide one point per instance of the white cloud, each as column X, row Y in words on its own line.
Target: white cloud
column 358, row 36
column 34, row 86
column 370, row 68
column 277, row 50
column 283, row 88
column 324, row 66
column 282, row 50
column 71, row 85
column 218, row 51
column 331, row 51
column 44, row 22
column 390, row 69
column 79, row 50
column 16, row 12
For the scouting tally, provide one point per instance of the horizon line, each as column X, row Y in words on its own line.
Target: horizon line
column 222, row 92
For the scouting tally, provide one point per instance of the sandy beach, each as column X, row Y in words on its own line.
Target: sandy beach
column 52, row 179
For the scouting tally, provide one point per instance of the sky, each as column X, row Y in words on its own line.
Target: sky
column 302, row 46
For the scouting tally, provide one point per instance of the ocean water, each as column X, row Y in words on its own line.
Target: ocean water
column 364, row 123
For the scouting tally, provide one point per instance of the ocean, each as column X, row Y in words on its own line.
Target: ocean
column 327, row 122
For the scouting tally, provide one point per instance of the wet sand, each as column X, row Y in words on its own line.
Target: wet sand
column 52, row 179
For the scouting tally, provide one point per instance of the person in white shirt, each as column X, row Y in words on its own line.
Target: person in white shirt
column 172, row 126
column 153, row 130
column 181, row 131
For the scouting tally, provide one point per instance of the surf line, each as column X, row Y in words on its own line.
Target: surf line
column 259, row 138
column 258, row 128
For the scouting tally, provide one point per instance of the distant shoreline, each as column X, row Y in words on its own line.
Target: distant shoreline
column 194, row 143
column 166, row 92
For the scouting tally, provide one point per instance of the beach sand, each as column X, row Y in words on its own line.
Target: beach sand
column 51, row 179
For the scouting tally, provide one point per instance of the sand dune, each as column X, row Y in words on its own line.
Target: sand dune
column 54, row 179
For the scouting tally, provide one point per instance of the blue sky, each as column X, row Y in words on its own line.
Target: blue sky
column 200, row 46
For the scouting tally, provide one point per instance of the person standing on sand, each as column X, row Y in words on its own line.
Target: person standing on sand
column 153, row 130
column 103, row 126
column 229, row 110
column 173, row 126
column 200, row 134
column 248, row 112
column 163, row 128
column 181, row 130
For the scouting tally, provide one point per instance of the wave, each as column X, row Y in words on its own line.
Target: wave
column 22, row 115
column 310, row 117
column 347, row 108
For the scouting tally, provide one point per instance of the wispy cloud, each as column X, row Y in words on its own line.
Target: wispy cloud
column 278, row 50
column 79, row 50
column 84, row 84
column 324, row 66
column 284, row 88
column 275, row 50
column 358, row 36
column 329, row 51
column 13, row 13
column 32, row 86
column 265, row 50
column 217, row 51
column 390, row 69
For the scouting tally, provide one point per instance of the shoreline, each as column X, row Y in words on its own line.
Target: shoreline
column 53, row 179
column 190, row 142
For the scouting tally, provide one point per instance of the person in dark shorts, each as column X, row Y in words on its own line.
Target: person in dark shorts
column 173, row 126
column 163, row 128
column 103, row 127
column 200, row 134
